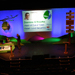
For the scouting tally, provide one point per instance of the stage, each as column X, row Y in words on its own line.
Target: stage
column 28, row 50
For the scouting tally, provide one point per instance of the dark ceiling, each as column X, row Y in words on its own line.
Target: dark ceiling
column 34, row 5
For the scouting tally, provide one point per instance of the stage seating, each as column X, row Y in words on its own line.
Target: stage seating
column 48, row 66
column 4, row 67
column 53, row 56
column 27, row 57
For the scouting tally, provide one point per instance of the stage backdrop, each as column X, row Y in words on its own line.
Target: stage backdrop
column 11, row 23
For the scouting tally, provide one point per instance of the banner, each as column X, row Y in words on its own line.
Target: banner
column 4, row 48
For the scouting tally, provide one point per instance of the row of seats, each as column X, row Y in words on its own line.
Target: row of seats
column 44, row 66
column 57, row 66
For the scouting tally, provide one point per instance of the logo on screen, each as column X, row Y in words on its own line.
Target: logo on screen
column 47, row 14
column 47, row 26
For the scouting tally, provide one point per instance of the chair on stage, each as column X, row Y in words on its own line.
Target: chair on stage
column 46, row 55
column 27, row 57
column 53, row 56
column 38, row 58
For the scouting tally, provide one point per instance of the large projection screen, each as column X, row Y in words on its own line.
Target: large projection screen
column 37, row 21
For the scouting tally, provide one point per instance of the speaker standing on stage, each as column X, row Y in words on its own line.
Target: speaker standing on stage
column 18, row 41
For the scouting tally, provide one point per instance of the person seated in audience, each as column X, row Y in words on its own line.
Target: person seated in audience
column 7, row 40
column 1, row 42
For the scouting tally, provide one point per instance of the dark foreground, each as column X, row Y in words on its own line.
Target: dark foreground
column 43, row 66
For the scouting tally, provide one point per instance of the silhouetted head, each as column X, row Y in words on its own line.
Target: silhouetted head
column 17, row 34
column 7, row 38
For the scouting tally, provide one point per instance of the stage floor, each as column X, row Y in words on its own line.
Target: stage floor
column 31, row 49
